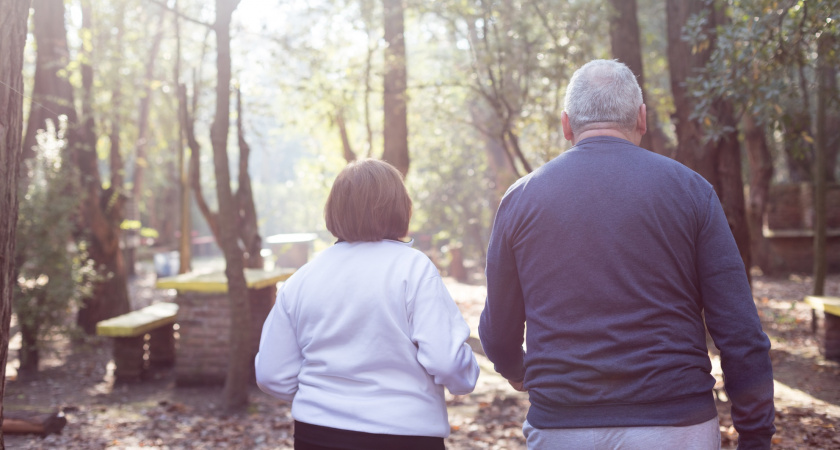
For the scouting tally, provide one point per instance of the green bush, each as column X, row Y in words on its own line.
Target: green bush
column 53, row 273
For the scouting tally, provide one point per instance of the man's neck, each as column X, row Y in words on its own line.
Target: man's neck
column 612, row 132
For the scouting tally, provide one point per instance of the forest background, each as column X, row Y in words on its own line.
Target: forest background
column 126, row 136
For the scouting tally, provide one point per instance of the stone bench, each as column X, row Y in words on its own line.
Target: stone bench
column 204, row 321
column 129, row 332
column 826, row 324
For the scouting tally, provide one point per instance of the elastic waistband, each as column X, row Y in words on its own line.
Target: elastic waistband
column 678, row 412
column 357, row 440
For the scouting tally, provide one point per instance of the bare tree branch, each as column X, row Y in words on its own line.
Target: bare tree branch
column 182, row 15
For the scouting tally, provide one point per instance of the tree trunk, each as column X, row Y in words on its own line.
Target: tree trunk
column 50, row 91
column 349, row 154
column 239, row 362
column 115, row 158
column 682, row 61
column 28, row 354
column 627, row 48
column 798, row 151
column 824, row 71
column 395, row 131
column 761, row 172
column 34, row 422
column 832, row 115
column 187, row 119
column 140, row 161
column 499, row 160
column 185, row 242
column 249, row 230
column 13, row 24
column 730, row 187
column 101, row 214
column 719, row 162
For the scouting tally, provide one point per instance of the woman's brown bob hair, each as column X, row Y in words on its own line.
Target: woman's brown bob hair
column 368, row 202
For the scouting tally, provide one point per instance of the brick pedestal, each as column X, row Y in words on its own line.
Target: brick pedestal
column 162, row 346
column 128, row 358
column 204, row 342
column 827, row 327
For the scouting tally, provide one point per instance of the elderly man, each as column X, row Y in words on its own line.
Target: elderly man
column 611, row 255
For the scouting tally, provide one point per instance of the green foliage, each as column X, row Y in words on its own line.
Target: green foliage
column 129, row 224
column 763, row 61
column 515, row 59
column 149, row 233
column 53, row 273
column 474, row 70
column 453, row 197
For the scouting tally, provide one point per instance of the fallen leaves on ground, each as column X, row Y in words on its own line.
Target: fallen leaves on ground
column 157, row 415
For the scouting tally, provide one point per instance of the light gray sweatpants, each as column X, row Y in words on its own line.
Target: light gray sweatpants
column 703, row 436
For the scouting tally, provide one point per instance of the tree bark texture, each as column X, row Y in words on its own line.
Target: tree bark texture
column 627, row 48
column 395, row 131
column 718, row 161
column 239, row 364
column 101, row 213
column 761, row 172
column 13, row 24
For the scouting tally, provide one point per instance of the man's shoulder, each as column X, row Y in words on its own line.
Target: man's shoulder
column 654, row 161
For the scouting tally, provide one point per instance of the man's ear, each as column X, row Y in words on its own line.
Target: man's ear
column 567, row 127
column 641, row 121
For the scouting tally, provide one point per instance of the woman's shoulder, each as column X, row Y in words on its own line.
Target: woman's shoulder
column 406, row 248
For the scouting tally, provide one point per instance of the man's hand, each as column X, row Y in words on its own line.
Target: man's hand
column 518, row 385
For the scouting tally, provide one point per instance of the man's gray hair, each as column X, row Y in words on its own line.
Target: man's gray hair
column 603, row 91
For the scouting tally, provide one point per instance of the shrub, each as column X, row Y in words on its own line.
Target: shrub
column 52, row 272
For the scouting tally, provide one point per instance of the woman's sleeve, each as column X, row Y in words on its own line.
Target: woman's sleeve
column 440, row 333
column 279, row 359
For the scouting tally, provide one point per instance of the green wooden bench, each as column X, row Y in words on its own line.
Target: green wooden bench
column 827, row 311
column 129, row 332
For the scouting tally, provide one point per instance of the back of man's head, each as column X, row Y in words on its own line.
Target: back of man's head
column 603, row 93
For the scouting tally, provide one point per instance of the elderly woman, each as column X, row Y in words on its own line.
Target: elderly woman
column 364, row 338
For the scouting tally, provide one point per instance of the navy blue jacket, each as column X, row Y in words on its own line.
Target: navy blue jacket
column 611, row 254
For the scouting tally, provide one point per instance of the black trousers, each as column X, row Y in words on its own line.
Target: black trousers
column 316, row 437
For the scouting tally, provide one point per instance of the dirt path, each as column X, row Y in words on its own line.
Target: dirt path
column 155, row 414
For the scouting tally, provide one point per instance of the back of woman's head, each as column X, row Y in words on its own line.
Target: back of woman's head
column 368, row 202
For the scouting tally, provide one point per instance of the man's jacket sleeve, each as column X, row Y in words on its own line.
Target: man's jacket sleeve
column 502, row 324
column 734, row 325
